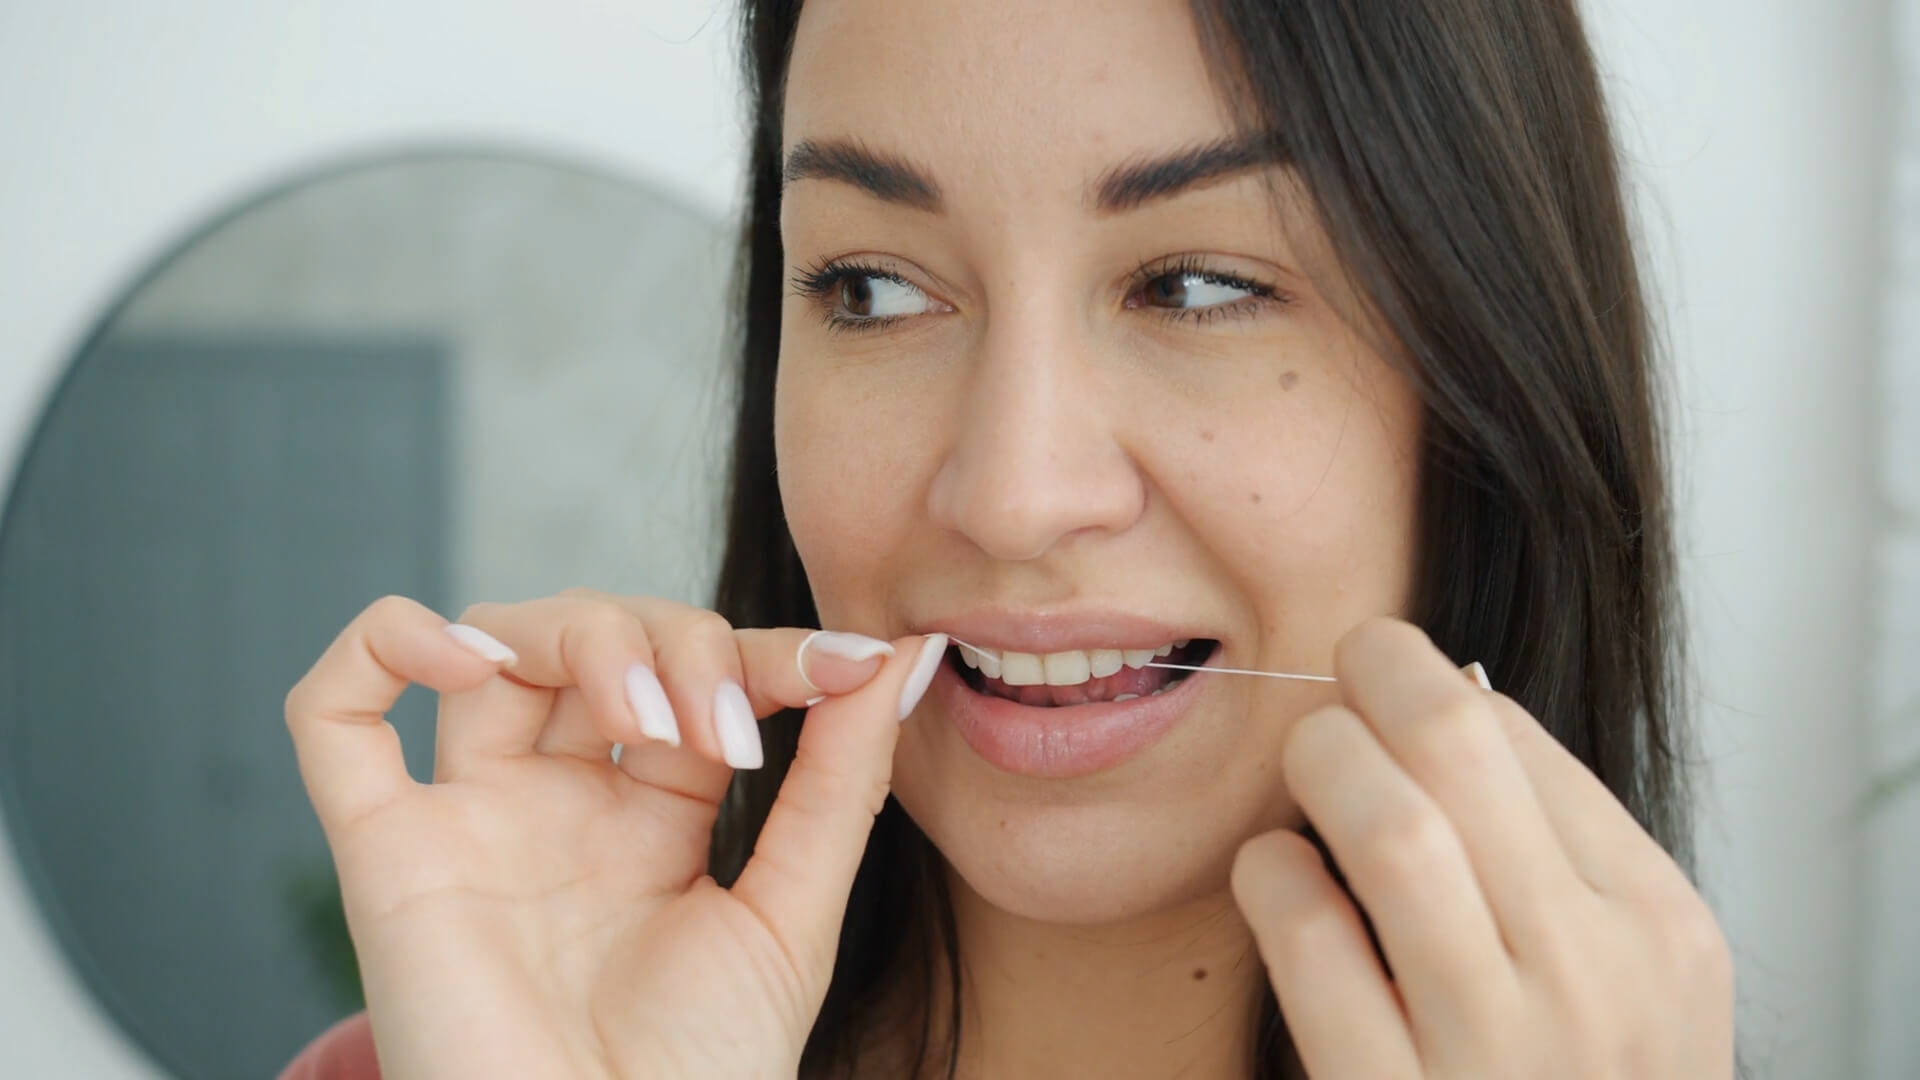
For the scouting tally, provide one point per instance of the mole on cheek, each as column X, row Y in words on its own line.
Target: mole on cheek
column 1199, row 973
column 1289, row 379
column 1206, row 436
column 1254, row 495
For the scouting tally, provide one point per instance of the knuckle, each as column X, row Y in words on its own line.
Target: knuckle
column 299, row 701
column 879, row 786
column 1681, row 920
column 1696, row 946
column 703, row 631
column 600, row 615
column 478, row 612
column 390, row 607
column 704, row 623
column 595, row 628
column 1408, row 843
column 1457, row 734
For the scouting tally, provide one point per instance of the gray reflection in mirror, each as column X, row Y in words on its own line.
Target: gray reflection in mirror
column 457, row 377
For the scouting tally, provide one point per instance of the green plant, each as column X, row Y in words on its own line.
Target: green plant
column 1891, row 785
column 313, row 894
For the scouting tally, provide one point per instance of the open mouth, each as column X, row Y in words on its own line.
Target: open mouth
column 1077, row 677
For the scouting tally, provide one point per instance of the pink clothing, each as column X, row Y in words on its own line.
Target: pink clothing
column 344, row 1052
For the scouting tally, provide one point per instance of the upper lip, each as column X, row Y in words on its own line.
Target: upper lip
column 1042, row 632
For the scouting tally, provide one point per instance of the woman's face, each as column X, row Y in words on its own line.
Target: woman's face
column 1061, row 374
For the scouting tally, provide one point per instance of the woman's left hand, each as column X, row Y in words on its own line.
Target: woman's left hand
column 1532, row 927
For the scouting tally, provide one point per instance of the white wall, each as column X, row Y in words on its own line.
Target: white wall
column 1759, row 129
column 1891, row 982
column 1756, row 126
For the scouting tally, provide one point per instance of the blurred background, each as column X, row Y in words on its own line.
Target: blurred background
column 305, row 302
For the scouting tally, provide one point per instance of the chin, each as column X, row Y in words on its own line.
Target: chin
column 1085, row 865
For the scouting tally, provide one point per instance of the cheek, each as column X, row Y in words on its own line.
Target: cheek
column 847, row 482
column 1307, row 497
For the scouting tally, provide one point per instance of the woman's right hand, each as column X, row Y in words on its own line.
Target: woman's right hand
column 543, row 911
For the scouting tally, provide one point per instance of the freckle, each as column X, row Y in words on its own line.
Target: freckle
column 1206, row 436
column 1199, row 973
column 1254, row 495
column 1289, row 379
column 1003, row 823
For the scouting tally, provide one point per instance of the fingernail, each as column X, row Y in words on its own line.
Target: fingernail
column 733, row 723
column 482, row 644
column 835, row 645
column 1479, row 675
column 932, row 651
column 650, row 706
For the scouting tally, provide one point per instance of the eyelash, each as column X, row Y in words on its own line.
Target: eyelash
column 821, row 282
column 1258, row 293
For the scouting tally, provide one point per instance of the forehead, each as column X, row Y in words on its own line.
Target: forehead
column 1009, row 87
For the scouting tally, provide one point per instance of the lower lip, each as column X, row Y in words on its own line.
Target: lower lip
column 1064, row 742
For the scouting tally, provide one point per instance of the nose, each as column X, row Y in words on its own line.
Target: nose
column 1034, row 462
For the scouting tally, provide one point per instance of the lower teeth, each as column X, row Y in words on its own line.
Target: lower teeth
column 1118, row 698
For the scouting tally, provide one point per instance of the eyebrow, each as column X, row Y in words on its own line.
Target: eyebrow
column 890, row 179
column 1125, row 187
column 1128, row 186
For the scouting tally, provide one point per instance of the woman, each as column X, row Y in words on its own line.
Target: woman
column 1251, row 335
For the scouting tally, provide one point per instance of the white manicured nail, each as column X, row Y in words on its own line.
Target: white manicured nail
column 1479, row 675
column 853, row 648
column 924, row 667
column 734, row 725
column 650, row 706
column 482, row 644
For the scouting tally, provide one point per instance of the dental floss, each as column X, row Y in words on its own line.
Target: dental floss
column 1183, row 667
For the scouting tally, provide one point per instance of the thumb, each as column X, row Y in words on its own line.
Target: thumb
column 816, row 832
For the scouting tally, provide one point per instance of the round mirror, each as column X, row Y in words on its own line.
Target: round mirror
column 451, row 376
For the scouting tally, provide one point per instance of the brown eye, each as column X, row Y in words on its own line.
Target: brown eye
column 872, row 295
column 856, row 296
column 1167, row 290
column 1186, row 290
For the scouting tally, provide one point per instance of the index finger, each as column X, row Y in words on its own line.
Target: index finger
column 349, row 755
column 788, row 668
column 1445, row 733
column 657, row 669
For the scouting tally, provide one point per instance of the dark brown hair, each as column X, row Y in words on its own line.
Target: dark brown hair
column 1460, row 156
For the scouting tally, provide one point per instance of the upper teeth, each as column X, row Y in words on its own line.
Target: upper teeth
column 1061, row 668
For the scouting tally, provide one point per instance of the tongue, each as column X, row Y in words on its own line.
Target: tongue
column 1136, row 681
